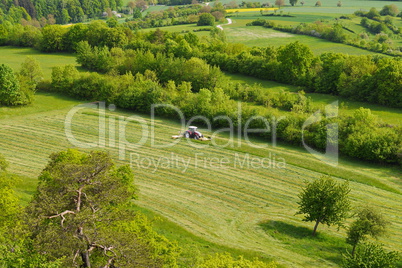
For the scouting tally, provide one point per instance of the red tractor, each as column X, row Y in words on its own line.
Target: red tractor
column 192, row 133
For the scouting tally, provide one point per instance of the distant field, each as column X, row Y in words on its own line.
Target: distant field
column 386, row 114
column 259, row 36
column 236, row 205
column 14, row 56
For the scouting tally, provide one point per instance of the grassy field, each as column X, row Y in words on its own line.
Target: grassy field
column 14, row 56
column 386, row 114
column 237, row 205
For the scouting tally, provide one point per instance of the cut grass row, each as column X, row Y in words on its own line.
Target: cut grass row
column 232, row 206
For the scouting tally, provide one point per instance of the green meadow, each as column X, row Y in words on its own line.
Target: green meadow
column 219, row 194
column 14, row 56
column 224, row 195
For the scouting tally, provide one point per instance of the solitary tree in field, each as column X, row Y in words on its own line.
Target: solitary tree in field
column 279, row 3
column 318, row 4
column 293, row 2
column 206, row 19
column 369, row 222
column 324, row 201
column 391, row 10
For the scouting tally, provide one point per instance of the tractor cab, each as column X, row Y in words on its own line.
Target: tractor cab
column 192, row 133
column 192, row 129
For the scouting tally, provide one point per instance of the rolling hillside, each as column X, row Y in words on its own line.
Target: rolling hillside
column 228, row 195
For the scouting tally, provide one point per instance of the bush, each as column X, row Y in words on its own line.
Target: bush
column 371, row 256
column 206, row 19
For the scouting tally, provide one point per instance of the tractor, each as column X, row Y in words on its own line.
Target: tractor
column 192, row 133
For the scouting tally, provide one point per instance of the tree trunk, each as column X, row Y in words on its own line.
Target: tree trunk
column 353, row 250
column 315, row 227
column 85, row 259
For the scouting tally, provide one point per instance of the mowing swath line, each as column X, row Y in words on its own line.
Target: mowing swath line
column 221, row 205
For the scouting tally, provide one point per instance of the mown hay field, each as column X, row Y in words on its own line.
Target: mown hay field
column 230, row 195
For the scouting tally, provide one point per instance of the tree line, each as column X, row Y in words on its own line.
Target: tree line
column 365, row 78
column 200, row 89
column 56, row 11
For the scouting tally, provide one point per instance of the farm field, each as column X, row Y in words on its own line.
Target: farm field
column 258, row 36
column 237, row 205
column 10, row 56
column 228, row 195
column 386, row 114
column 14, row 56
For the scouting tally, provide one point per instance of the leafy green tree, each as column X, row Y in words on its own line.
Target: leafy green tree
column 31, row 70
column 206, row 19
column 293, row 2
column 328, row 76
column 63, row 78
column 9, row 206
column 295, row 62
column 369, row 222
column 324, row 201
column 112, row 22
column 391, row 10
column 65, row 16
column 80, row 214
column 75, row 34
column 373, row 13
column 52, row 38
column 387, row 90
column 137, row 14
column 10, row 89
column 183, row 49
column 371, row 255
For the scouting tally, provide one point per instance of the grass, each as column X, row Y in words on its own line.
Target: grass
column 347, row 107
column 193, row 248
column 223, row 205
column 299, row 239
column 14, row 56
column 263, row 37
